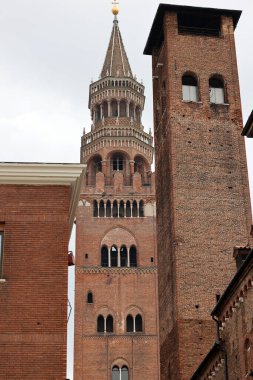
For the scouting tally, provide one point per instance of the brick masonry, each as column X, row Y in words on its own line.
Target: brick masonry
column 33, row 312
column 203, row 206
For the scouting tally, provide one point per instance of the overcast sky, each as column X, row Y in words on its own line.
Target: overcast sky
column 50, row 51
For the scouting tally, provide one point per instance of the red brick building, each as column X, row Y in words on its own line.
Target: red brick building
column 116, row 299
column 37, row 208
column 232, row 355
column 203, row 205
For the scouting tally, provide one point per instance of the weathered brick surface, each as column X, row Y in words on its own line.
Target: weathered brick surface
column 202, row 189
column 33, row 299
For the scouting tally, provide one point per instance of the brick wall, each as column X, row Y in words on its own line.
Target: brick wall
column 203, row 206
column 33, row 312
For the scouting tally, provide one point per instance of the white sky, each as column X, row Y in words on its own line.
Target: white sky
column 50, row 51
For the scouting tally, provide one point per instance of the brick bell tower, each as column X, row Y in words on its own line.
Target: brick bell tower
column 203, row 203
column 116, row 307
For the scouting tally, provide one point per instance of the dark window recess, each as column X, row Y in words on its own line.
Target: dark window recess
column 199, row 24
column 152, row 259
column 100, row 324
column 86, row 255
column 90, row 298
column 104, row 256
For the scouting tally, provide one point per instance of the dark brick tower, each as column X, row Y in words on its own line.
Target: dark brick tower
column 116, row 307
column 203, row 205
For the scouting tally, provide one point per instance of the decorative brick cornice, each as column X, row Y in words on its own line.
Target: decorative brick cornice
column 98, row 269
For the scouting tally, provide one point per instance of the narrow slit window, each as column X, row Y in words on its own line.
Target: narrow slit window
column 89, row 297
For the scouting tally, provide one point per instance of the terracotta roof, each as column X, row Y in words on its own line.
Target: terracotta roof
column 116, row 62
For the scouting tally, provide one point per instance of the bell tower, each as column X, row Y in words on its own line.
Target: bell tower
column 116, row 318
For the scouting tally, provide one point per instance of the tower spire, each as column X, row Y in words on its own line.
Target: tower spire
column 116, row 63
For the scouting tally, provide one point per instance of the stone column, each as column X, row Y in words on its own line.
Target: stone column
column 104, row 324
column 109, row 257
column 131, row 164
column 118, row 108
column 101, row 111
column 118, row 252
column 128, row 257
column 128, row 111
column 109, row 108
column 104, row 167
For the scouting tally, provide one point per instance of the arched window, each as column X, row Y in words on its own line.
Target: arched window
column 101, row 209
column 114, row 256
column 134, row 209
column 133, row 256
column 138, row 114
column 114, row 108
column 141, row 209
column 95, row 209
column 121, row 209
column 89, row 297
column 131, row 110
column 108, row 209
column 100, row 324
column 120, row 373
column 190, row 88
column 128, row 209
column 129, row 323
column 115, row 209
column 98, row 113
column 216, row 88
column 104, row 256
column 105, row 109
column 123, row 256
column 109, row 324
column 123, row 108
column 138, row 323
column 115, row 373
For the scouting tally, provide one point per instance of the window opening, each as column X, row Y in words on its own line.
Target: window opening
column 216, row 88
column 120, row 373
column 138, row 323
column 123, row 256
column 95, row 209
column 123, row 109
column 135, row 210
column 114, row 108
column 101, row 209
column 128, row 209
column 104, row 256
column 198, row 24
column 141, row 209
column 118, row 163
column 90, row 298
column 108, row 209
column 121, row 209
column 114, row 256
column 100, row 324
column 115, row 209
column 130, row 323
column 109, row 324
column 133, row 256
column 189, row 88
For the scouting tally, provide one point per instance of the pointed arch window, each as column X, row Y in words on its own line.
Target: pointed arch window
column 216, row 88
column 95, row 209
column 104, row 256
column 135, row 209
column 101, row 209
column 115, row 209
column 130, row 324
column 141, row 209
column 123, row 256
column 133, row 256
column 138, row 323
column 114, row 256
column 108, row 209
column 121, row 209
column 100, row 324
column 190, row 88
column 128, row 209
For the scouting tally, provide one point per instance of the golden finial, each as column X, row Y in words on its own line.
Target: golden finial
column 115, row 8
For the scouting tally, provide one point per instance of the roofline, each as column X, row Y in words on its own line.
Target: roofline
column 156, row 32
column 225, row 296
column 215, row 349
column 44, row 174
column 248, row 126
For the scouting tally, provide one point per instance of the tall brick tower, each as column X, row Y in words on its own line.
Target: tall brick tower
column 203, row 205
column 116, row 307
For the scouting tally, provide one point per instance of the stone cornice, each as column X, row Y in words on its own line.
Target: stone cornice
column 46, row 174
column 98, row 269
